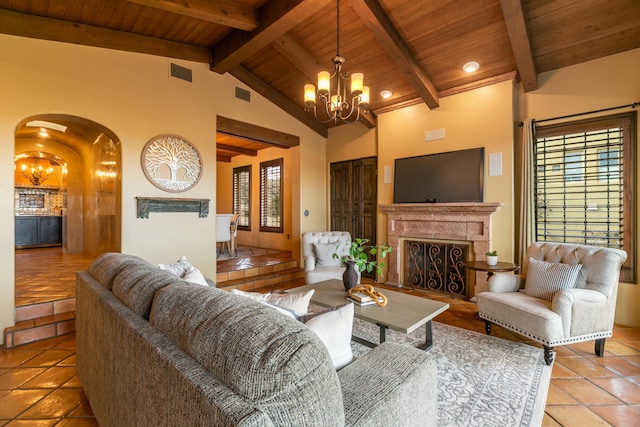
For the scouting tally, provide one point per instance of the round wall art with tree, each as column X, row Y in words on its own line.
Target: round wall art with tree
column 171, row 163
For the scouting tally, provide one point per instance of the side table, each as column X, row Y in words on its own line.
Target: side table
column 500, row 267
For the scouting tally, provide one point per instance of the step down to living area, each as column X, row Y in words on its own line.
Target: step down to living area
column 40, row 321
column 257, row 277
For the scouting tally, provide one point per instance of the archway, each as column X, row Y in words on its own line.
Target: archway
column 85, row 183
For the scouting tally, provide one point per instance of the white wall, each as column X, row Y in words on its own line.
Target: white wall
column 133, row 96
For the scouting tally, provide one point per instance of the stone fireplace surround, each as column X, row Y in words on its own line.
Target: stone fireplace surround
column 469, row 222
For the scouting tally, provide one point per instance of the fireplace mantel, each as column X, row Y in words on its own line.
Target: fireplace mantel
column 437, row 221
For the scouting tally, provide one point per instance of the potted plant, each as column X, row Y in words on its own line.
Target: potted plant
column 358, row 257
column 492, row 257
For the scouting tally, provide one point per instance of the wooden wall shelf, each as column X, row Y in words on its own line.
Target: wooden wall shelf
column 147, row 205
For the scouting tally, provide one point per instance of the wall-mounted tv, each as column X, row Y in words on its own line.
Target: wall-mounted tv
column 455, row 176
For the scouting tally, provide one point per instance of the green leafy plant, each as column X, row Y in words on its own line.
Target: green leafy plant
column 492, row 253
column 359, row 252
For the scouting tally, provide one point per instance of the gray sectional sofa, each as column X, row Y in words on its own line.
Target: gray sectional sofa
column 154, row 350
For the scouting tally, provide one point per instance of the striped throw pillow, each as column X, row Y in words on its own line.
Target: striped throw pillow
column 544, row 279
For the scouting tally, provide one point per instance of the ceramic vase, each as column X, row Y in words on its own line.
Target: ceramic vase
column 350, row 275
column 492, row 260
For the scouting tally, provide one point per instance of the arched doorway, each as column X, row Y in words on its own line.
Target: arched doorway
column 84, row 186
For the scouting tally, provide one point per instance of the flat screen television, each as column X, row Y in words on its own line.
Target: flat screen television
column 454, row 176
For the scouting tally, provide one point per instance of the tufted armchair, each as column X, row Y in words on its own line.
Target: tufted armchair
column 565, row 294
column 318, row 248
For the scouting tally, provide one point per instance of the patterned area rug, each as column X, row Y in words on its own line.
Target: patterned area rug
column 482, row 380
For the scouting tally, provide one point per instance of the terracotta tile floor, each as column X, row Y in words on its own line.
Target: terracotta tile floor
column 38, row 385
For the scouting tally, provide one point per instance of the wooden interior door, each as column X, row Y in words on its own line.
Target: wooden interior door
column 354, row 193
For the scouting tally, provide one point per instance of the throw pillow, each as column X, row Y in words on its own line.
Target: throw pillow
column 296, row 301
column 334, row 328
column 178, row 268
column 195, row 276
column 544, row 279
column 324, row 254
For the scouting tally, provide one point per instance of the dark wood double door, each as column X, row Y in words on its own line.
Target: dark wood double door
column 354, row 194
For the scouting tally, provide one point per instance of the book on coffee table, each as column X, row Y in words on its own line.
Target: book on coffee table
column 361, row 299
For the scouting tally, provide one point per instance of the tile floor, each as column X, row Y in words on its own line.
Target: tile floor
column 39, row 387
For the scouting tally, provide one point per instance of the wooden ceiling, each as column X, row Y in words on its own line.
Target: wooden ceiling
column 414, row 48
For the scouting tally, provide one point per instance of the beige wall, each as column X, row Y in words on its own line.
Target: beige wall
column 600, row 84
column 133, row 96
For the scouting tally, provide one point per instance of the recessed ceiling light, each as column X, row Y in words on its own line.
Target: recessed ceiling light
column 386, row 94
column 471, row 66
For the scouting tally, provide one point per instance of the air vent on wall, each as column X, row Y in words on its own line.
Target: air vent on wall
column 181, row 72
column 243, row 94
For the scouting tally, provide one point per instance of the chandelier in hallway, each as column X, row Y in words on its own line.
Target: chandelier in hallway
column 335, row 106
column 36, row 174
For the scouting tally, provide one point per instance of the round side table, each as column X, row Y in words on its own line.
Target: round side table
column 500, row 267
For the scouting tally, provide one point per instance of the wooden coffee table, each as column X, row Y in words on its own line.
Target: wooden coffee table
column 403, row 313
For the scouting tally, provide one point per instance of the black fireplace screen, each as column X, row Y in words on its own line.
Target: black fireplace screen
column 436, row 267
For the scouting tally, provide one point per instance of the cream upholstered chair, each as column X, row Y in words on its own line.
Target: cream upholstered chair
column 318, row 249
column 565, row 294
column 223, row 231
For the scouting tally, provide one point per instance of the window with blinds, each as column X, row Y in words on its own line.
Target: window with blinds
column 242, row 196
column 584, row 184
column 271, row 185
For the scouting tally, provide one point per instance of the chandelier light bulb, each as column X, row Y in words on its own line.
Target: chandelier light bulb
column 364, row 97
column 356, row 83
column 324, row 82
column 310, row 95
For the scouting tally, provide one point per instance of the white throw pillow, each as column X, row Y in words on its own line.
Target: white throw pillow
column 334, row 328
column 195, row 276
column 324, row 254
column 296, row 301
column 178, row 268
column 544, row 279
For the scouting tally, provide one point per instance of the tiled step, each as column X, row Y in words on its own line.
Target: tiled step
column 50, row 319
column 259, row 276
column 33, row 311
column 39, row 328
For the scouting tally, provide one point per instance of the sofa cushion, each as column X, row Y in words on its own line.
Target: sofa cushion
column 269, row 359
column 296, row 301
column 334, row 327
column 178, row 268
column 136, row 285
column 195, row 276
column 324, row 254
column 106, row 266
column 544, row 279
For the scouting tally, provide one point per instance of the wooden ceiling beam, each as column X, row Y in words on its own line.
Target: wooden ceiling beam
column 229, row 13
column 250, row 79
column 239, row 150
column 274, row 19
column 223, row 159
column 298, row 56
column 253, row 132
column 517, row 28
column 379, row 23
column 19, row 24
